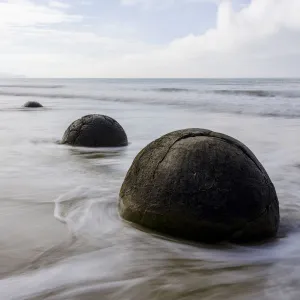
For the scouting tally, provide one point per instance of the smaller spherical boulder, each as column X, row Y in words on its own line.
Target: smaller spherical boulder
column 95, row 131
column 200, row 185
column 33, row 104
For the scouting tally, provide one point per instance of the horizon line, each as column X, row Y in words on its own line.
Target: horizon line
column 149, row 78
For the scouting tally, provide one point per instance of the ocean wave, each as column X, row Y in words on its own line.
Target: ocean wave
column 173, row 90
column 43, row 95
column 255, row 93
column 278, row 115
column 149, row 101
column 24, row 86
column 88, row 211
column 259, row 93
column 74, row 96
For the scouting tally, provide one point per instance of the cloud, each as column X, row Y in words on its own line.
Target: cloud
column 260, row 40
column 86, row 2
column 58, row 4
column 28, row 13
column 161, row 4
column 41, row 42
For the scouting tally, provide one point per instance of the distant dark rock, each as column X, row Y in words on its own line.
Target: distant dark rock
column 95, row 131
column 200, row 185
column 33, row 104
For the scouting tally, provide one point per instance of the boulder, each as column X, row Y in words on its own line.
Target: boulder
column 32, row 104
column 200, row 185
column 95, row 131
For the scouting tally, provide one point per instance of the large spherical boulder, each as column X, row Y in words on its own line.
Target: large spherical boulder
column 95, row 131
column 200, row 185
column 33, row 104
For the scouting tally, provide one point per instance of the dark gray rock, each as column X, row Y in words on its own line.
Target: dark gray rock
column 200, row 185
column 95, row 131
column 33, row 104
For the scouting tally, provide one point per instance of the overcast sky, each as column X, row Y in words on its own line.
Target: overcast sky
column 150, row 38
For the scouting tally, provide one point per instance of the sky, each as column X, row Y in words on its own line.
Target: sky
column 149, row 38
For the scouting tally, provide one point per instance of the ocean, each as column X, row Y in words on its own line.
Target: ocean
column 60, row 233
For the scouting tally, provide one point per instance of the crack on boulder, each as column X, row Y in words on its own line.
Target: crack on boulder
column 240, row 147
column 176, row 141
column 211, row 134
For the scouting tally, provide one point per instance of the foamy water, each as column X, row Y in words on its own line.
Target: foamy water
column 60, row 234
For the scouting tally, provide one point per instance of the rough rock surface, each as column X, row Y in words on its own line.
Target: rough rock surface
column 200, row 185
column 95, row 131
column 33, row 104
